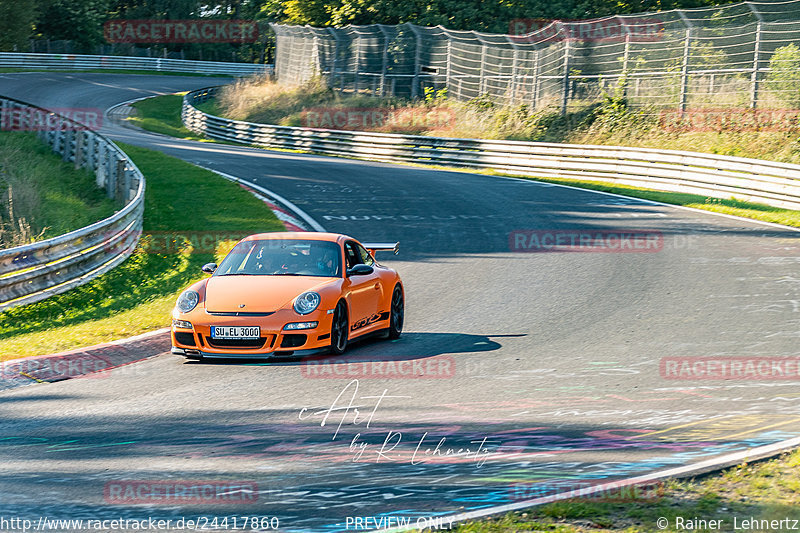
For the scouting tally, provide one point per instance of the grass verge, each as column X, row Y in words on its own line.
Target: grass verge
column 41, row 195
column 768, row 490
column 137, row 296
column 762, row 212
column 162, row 114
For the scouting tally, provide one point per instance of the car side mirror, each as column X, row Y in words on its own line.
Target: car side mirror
column 209, row 268
column 360, row 270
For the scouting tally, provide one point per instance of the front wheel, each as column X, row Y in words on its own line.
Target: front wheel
column 397, row 313
column 339, row 330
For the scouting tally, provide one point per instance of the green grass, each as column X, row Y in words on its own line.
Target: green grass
column 767, row 490
column 48, row 192
column 765, row 213
column 162, row 114
column 138, row 295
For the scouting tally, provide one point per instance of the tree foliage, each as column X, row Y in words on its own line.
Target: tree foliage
column 483, row 15
column 16, row 23
column 81, row 21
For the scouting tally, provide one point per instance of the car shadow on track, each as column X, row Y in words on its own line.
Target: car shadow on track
column 410, row 346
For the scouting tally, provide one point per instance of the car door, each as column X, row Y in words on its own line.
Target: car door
column 365, row 290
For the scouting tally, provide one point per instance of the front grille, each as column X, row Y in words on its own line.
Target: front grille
column 182, row 337
column 245, row 344
column 238, row 313
column 293, row 340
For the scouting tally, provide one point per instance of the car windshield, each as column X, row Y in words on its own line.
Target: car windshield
column 287, row 257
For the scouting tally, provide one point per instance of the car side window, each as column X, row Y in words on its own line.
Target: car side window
column 351, row 255
column 365, row 257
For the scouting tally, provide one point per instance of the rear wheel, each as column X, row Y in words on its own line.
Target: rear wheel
column 339, row 329
column 397, row 313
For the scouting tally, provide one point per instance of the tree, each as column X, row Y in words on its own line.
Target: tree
column 16, row 24
column 79, row 21
column 784, row 74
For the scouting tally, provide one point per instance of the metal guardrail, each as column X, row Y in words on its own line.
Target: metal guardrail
column 91, row 62
column 36, row 271
column 766, row 182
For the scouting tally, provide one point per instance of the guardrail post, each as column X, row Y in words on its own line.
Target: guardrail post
column 5, row 115
column 58, row 142
column 119, row 190
column 79, row 138
column 90, row 149
column 100, row 168
column 111, row 175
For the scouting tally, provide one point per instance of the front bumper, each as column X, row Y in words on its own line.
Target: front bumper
column 197, row 341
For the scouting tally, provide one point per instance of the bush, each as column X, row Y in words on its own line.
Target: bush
column 784, row 75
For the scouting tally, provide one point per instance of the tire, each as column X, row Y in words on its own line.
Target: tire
column 340, row 329
column 397, row 313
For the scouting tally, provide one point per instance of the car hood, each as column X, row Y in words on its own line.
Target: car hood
column 259, row 294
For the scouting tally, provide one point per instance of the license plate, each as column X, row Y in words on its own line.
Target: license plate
column 235, row 332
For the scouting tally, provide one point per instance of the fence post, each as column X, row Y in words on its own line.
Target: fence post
column 754, row 75
column 482, row 75
column 625, row 57
column 565, row 88
column 512, row 82
column 447, row 79
column 335, row 57
column 536, row 73
column 685, row 71
column 384, row 59
column 358, row 63
column 417, row 60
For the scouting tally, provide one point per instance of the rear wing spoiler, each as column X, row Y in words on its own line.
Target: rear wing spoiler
column 382, row 247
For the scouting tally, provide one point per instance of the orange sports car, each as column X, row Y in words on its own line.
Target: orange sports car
column 281, row 293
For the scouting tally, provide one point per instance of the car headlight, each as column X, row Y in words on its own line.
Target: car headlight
column 301, row 325
column 187, row 301
column 306, row 302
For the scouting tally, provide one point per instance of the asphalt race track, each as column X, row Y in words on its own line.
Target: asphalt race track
column 549, row 371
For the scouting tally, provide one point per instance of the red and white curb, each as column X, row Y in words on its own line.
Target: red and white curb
column 294, row 218
column 83, row 362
